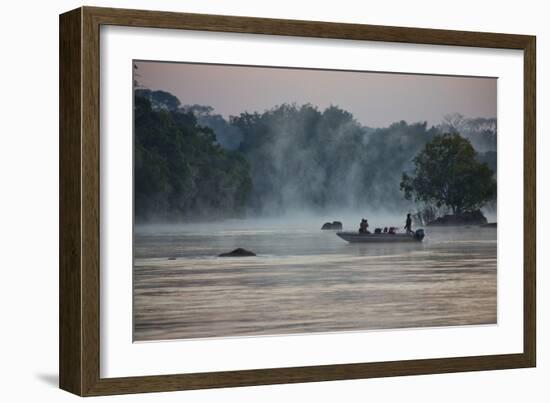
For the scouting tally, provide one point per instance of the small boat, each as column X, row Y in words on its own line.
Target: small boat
column 354, row 237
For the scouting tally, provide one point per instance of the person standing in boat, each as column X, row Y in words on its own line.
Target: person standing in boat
column 408, row 224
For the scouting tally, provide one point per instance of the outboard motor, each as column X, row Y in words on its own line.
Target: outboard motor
column 419, row 234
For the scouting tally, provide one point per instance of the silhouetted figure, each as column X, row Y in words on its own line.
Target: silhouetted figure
column 363, row 227
column 385, row 230
column 408, row 224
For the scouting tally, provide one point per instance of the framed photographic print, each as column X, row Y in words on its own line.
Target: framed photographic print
column 248, row 201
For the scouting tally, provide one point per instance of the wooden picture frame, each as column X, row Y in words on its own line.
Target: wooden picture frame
column 79, row 280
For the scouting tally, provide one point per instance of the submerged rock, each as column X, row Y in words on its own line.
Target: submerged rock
column 335, row 225
column 239, row 252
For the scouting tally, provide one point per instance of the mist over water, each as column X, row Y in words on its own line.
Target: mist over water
column 293, row 220
column 297, row 219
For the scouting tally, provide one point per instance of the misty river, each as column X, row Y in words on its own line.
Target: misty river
column 306, row 280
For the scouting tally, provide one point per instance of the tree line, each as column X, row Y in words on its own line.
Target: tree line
column 179, row 168
column 193, row 163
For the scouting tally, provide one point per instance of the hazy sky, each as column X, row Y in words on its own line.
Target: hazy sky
column 375, row 99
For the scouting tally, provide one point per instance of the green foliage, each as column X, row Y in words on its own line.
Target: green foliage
column 227, row 135
column 180, row 170
column 447, row 173
column 490, row 158
column 303, row 158
column 190, row 161
column 389, row 151
column 159, row 99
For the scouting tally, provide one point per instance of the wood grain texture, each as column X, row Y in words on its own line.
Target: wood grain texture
column 530, row 203
column 315, row 29
column 70, row 271
column 90, row 201
column 80, row 200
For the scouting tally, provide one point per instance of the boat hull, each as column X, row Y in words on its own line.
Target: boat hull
column 356, row 237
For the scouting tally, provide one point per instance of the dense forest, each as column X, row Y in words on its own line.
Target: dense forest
column 180, row 169
column 193, row 163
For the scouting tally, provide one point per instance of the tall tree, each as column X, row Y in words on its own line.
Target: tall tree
column 447, row 173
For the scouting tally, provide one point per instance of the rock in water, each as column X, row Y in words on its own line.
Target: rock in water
column 475, row 217
column 239, row 252
column 335, row 225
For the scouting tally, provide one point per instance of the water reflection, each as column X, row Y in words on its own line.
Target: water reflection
column 307, row 281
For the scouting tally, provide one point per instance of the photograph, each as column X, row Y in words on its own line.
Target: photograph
column 283, row 201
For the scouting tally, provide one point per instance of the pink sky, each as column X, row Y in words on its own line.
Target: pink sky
column 375, row 99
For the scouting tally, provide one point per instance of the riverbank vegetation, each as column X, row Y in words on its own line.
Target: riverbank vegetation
column 447, row 174
column 191, row 163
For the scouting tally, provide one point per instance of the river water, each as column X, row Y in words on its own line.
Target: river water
column 304, row 280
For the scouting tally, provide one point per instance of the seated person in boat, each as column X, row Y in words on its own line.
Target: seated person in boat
column 363, row 227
